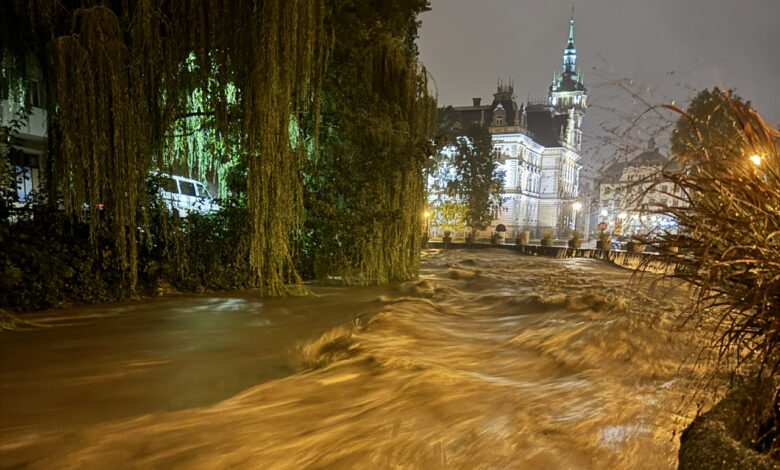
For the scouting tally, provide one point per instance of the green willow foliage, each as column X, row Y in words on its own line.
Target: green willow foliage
column 137, row 86
column 121, row 76
column 365, row 188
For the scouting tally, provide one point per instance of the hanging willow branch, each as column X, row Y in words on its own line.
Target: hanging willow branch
column 377, row 124
column 122, row 72
column 102, row 159
column 249, row 76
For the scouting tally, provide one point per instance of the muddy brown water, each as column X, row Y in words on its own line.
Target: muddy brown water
column 491, row 360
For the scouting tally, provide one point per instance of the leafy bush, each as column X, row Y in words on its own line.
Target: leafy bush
column 47, row 257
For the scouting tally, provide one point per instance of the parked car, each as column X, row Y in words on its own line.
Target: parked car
column 620, row 242
column 186, row 195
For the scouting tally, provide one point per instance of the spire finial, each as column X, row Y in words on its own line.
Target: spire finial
column 571, row 24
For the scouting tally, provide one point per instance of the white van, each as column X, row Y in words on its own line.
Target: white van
column 186, row 195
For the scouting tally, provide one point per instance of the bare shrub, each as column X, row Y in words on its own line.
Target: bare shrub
column 726, row 172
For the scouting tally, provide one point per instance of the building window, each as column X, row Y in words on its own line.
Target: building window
column 33, row 94
column 3, row 88
column 27, row 177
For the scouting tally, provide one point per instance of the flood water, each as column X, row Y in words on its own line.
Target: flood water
column 491, row 360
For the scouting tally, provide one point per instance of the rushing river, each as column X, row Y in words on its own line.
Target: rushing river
column 491, row 360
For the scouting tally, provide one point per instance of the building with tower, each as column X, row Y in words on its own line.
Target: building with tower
column 537, row 145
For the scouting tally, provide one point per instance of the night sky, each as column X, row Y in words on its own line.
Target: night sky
column 667, row 47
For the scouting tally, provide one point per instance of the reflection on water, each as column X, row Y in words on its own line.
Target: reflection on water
column 491, row 360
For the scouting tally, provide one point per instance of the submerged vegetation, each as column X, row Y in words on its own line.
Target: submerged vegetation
column 315, row 114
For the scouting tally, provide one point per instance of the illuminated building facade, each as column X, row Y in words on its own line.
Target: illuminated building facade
column 537, row 145
column 629, row 198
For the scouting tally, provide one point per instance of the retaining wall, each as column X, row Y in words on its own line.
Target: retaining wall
column 647, row 261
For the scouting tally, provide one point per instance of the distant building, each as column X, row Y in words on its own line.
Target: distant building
column 28, row 132
column 538, row 146
column 630, row 199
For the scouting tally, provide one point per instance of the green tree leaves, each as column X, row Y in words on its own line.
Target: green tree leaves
column 365, row 187
column 467, row 181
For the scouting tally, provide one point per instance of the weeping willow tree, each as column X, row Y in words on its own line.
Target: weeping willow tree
column 121, row 80
column 365, row 189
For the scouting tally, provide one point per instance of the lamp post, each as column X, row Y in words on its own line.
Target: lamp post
column 577, row 206
column 619, row 223
column 427, row 215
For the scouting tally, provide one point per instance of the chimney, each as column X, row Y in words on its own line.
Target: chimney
column 476, row 101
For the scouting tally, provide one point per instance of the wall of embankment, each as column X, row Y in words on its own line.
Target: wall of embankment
column 650, row 262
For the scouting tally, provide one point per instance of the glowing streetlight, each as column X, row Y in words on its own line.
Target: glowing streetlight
column 756, row 159
column 604, row 213
column 427, row 214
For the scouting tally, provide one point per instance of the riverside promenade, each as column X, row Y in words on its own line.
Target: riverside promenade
column 651, row 262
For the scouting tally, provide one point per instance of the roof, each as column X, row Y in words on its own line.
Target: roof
column 567, row 83
column 650, row 157
column 544, row 126
column 612, row 173
column 458, row 119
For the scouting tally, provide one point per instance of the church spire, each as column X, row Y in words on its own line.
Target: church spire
column 570, row 53
column 571, row 26
column 567, row 89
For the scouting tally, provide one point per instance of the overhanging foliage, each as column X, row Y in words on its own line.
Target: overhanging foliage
column 136, row 86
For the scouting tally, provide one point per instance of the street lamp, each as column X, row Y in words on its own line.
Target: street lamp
column 427, row 215
column 604, row 213
column 577, row 206
column 756, row 159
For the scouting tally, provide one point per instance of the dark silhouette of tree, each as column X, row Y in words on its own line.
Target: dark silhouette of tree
column 710, row 126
